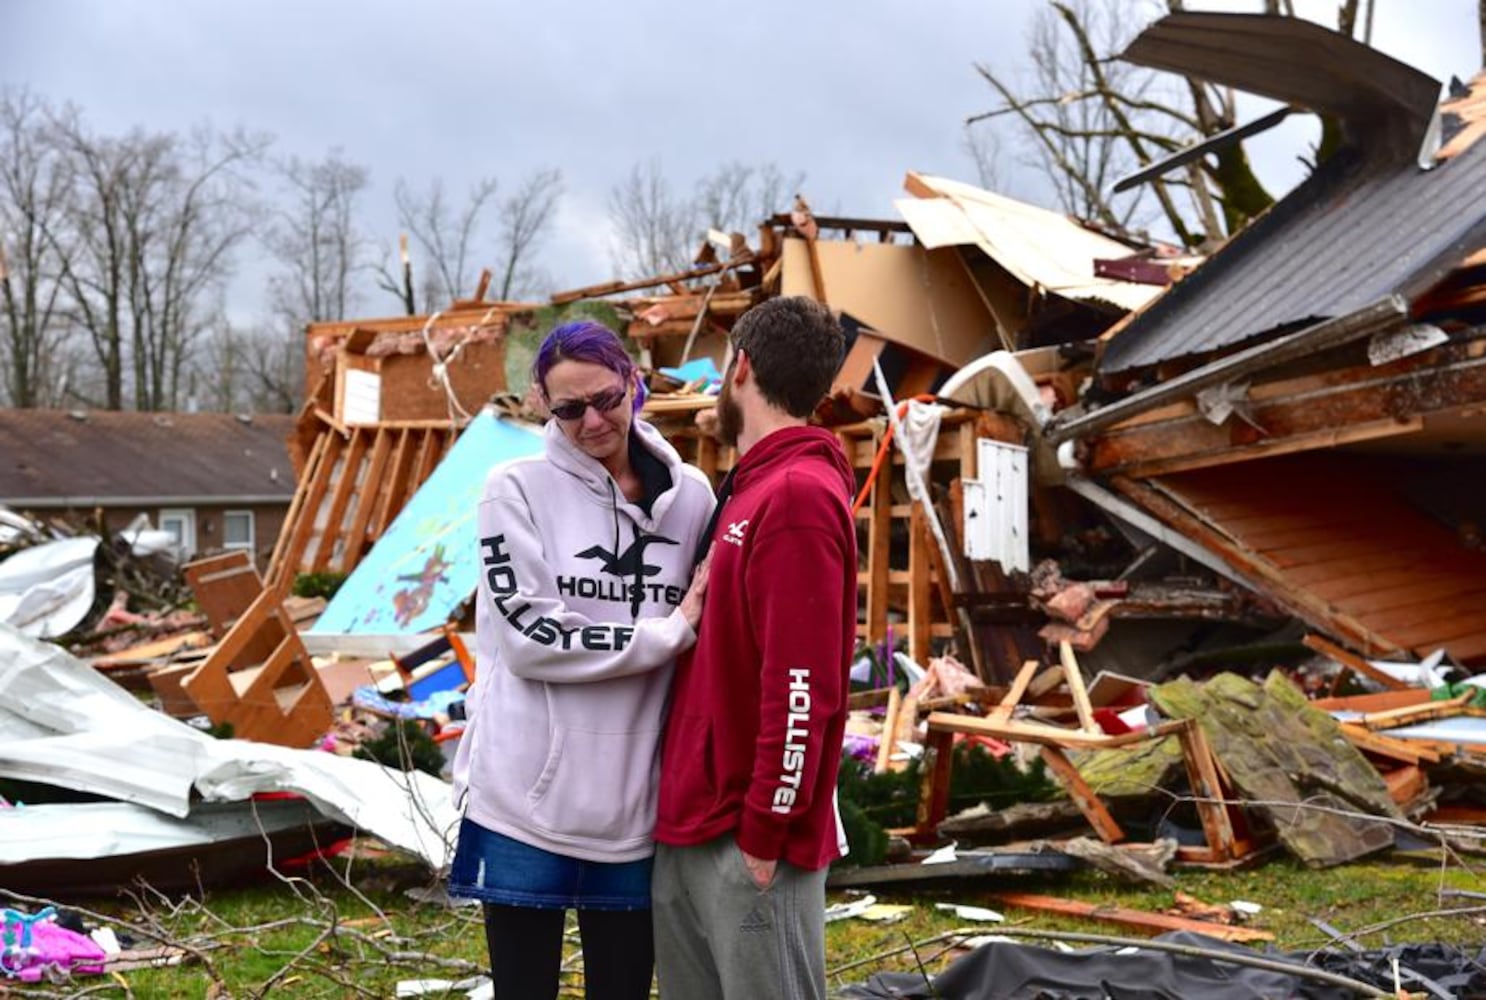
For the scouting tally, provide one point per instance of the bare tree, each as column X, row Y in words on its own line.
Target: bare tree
column 35, row 185
column 255, row 369
column 737, row 196
column 447, row 237
column 655, row 230
column 1094, row 118
column 145, row 247
column 315, row 240
column 980, row 145
column 523, row 221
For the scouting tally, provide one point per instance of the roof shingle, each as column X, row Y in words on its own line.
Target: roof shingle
column 55, row 456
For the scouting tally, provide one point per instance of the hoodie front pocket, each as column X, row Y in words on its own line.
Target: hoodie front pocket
column 549, row 766
column 597, row 785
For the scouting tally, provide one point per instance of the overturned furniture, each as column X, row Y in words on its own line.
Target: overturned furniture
column 258, row 679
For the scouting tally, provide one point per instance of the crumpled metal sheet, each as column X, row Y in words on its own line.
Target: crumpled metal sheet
column 46, row 590
column 64, row 724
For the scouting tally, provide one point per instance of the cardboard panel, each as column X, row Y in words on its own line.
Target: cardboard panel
column 920, row 298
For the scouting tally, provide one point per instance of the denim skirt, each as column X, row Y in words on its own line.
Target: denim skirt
column 494, row 868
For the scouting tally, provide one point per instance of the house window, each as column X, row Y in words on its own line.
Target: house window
column 237, row 530
column 180, row 522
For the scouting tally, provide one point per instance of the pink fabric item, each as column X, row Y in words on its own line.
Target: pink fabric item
column 44, row 945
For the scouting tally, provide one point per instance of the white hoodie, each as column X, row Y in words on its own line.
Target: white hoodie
column 577, row 630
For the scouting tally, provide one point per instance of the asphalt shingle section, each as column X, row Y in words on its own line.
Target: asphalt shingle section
column 102, row 454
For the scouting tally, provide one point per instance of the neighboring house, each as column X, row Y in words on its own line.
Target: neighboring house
column 218, row 481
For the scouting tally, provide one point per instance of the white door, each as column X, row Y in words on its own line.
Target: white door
column 180, row 522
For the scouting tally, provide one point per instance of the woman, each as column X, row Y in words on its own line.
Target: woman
column 584, row 605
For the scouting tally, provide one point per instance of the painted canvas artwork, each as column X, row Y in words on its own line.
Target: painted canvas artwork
column 427, row 562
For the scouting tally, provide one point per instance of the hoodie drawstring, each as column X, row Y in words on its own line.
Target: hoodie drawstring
column 636, row 589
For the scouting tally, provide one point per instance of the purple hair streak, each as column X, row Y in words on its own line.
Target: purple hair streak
column 586, row 340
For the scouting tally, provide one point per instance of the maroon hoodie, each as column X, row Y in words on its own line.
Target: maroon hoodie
column 758, row 706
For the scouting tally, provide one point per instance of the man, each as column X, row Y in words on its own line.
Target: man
column 747, row 822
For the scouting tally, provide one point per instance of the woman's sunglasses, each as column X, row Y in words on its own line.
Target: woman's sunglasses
column 603, row 402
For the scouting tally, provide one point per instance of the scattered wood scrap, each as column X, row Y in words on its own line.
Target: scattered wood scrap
column 1137, row 920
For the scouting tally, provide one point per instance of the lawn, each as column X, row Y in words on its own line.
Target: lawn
column 355, row 931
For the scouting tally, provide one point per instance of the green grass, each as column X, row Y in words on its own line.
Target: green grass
column 250, row 935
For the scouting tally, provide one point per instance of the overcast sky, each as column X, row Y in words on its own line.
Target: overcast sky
column 852, row 94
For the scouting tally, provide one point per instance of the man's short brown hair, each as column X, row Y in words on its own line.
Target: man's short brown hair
column 795, row 347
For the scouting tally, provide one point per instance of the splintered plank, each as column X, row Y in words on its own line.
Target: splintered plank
column 934, row 776
column 1410, row 715
column 1406, row 784
column 885, row 743
column 919, row 613
column 388, row 501
column 1073, row 674
column 1014, row 693
column 1082, row 795
column 428, row 459
column 1404, row 751
column 367, row 495
column 305, row 524
column 1352, row 661
column 1377, row 702
column 1143, row 921
column 1207, row 788
column 879, row 546
column 285, row 558
column 331, row 537
column 1016, row 731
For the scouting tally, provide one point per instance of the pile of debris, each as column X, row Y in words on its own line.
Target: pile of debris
column 61, row 579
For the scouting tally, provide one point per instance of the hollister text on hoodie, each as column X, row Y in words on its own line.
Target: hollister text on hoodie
column 576, row 635
column 758, row 706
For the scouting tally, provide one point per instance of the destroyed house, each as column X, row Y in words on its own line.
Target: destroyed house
column 1309, row 405
column 219, row 481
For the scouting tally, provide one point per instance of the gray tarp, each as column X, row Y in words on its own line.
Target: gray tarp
column 1005, row 970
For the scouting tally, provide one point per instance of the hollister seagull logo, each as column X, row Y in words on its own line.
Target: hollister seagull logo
column 630, row 569
column 735, row 532
column 631, row 562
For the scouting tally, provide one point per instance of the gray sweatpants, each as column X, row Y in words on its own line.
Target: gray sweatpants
column 719, row 937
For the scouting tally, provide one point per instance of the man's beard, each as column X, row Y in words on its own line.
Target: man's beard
column 729, row 414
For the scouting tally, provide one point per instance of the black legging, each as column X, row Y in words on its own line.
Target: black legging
column 526, row 952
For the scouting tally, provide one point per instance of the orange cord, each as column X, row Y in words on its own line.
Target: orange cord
column 882, row 449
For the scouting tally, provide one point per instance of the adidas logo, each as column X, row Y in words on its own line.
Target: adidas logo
column 755, row 923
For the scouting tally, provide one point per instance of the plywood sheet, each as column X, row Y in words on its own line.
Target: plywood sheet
column 920, row 298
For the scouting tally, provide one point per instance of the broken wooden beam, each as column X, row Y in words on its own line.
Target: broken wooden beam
column 1075, row 678
column 1406, row 751
column 1123, row 916
column 613, row 287
column 1083, row 796
column 1350, row 661
column 1408, row 715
